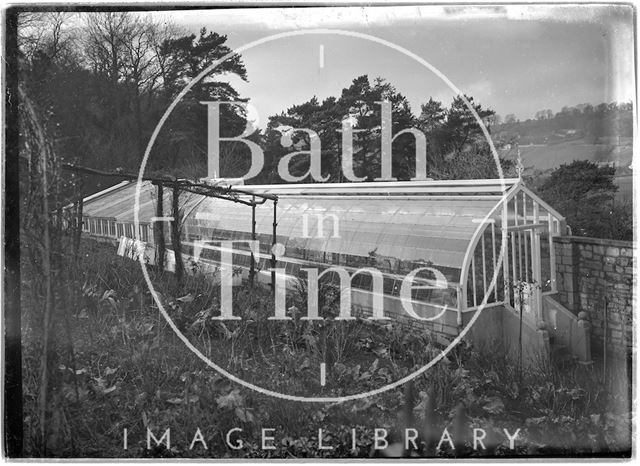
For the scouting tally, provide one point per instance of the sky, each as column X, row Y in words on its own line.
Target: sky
column 515, row 59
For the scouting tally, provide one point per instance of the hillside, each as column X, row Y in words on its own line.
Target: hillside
column 604, row 123
column 601, row 134
column 545, row 157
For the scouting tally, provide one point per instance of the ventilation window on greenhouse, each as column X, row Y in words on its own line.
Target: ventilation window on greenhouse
column 366, row 281
column 388, row 286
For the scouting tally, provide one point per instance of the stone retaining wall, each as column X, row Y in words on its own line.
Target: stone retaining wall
column 591, row 272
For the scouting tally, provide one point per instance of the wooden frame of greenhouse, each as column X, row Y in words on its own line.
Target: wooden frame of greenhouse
column 459, row 228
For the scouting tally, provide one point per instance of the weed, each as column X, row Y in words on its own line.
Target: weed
column 132, row 372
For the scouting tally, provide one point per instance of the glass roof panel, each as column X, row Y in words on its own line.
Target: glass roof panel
column 435, row 229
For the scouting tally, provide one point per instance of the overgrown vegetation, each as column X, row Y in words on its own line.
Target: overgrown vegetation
column 584, row 193
column 129, row 370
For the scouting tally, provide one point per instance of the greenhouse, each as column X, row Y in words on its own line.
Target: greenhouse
column 466, row 244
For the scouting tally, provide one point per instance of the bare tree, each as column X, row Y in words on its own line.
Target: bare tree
column 50, row 34
column 161, row 31
column 31, row 32
column 124, row 47
column 141, row 69
column 105, row 37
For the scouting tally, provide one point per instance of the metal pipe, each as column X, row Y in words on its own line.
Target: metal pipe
column 273, row 243
column 484, row 269
column 505, row 257
column 252, row 270
column 473, row 279
column 495, row 264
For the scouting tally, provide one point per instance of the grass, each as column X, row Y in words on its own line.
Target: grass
column 130, row 370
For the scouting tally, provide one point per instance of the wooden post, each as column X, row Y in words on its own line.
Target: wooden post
column 158, row 227
column 175, row 235
column 78, row 223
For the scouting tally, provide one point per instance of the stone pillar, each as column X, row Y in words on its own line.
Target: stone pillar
column 582, row 340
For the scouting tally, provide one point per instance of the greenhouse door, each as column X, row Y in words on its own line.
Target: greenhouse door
column 523, row 256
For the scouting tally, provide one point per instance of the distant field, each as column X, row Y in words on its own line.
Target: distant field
column 547, row 157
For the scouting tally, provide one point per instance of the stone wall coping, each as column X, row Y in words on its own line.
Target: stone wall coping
column 597, row 241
